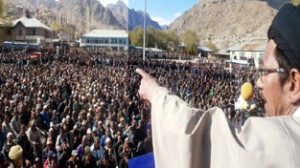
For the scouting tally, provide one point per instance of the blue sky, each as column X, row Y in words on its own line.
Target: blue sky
column 162, row 11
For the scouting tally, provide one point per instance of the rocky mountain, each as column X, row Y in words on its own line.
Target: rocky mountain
column 120, row 12
column 85, row 15
column 129, row 17
column 225, row 22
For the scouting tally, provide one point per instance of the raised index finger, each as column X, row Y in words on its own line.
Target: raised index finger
column 141, row 72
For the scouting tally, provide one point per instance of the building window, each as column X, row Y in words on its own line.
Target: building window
column 8, row 32
column 20, row 32
column 122, row 41
column 103, row 41
column 33, row 32
column 114, row 41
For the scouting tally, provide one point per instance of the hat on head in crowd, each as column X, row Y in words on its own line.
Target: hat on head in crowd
column 74, row 153
column 51, row 124
column 9, row 135
column 15, row 152
column 284, row 30
column 89, row 131
column 37, row 160
column 49, row 141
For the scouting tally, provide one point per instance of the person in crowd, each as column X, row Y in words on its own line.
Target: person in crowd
column 35, row 137
column 88, row 160
column 74, row 161
column 45, row 118
column 81, row 147
column 105, row 136
column 110, row 150
column 8, row 144
column 64, row 154
column 148, row 142
column 74, row 138
column 51, row 161
column 89, row 137
column 124, row 161
column 16, row 156
column 126, row 148
column 25, row 144
column 96, row 150
column 106, row 162
column 2, row 136
column 60, row 138
column 49, row 147
column 6, row 123
column 15, row 123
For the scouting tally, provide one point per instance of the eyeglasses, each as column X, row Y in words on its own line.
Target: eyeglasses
column 265, row 71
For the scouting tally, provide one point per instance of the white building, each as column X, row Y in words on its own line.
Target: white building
column 116, row 40
column 252, row 49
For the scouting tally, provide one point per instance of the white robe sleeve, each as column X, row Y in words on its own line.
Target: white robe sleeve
column 185, row 137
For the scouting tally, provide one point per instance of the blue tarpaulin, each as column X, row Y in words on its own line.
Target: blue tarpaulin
column 144, row 161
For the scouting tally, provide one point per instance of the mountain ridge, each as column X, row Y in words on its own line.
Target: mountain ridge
column 226, row 22
column 130, row 17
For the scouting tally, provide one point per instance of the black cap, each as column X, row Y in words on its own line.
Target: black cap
column 285, row 31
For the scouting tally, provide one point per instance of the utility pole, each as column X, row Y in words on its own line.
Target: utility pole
column 144, row 42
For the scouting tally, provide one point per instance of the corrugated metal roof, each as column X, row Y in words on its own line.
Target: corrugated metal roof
column 107, row 33
column 31, row 22
column 251, row 45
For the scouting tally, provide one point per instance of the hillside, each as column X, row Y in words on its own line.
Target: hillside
column 225, row 22
column 130, row 17
column 85, row 15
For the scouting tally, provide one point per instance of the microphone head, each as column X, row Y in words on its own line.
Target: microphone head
column 247, row 91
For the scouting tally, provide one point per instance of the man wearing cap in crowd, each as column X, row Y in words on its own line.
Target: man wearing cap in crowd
column 48, row 148
column 8, row 144
column 15, row 155
column 44, row 114
column 74, row 161
column 187, row 137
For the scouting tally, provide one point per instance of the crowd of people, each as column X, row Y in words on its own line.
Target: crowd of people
column 83, row 110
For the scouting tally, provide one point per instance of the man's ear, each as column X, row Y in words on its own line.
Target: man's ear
column 294, row 85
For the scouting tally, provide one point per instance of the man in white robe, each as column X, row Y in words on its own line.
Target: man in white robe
column 185, row 137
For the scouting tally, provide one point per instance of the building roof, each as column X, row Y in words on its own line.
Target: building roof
column 31, row 22
column 107, row 33
column 251, row 45
column 205, row 49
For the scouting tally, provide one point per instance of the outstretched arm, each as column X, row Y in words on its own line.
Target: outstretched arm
column 148, row 87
